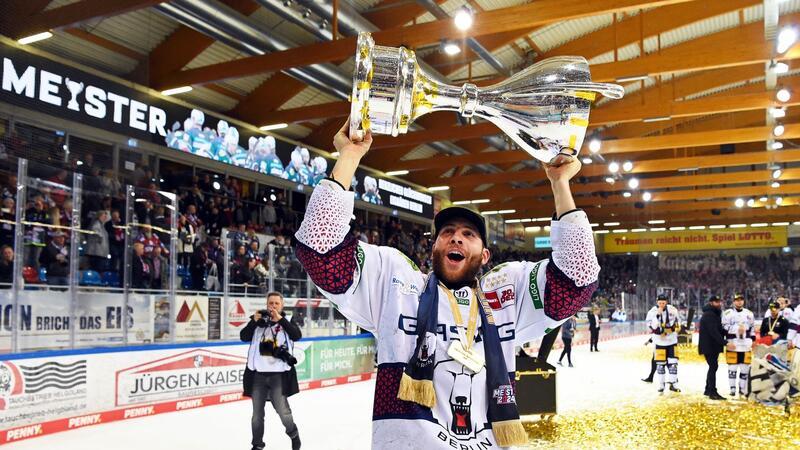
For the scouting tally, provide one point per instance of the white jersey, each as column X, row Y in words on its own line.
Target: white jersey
column 785, row 312
column 664, row 325
column 740, row 328
column 383, row 299
column 794, row 328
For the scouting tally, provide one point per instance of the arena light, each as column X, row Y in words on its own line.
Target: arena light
column 274, row 126
column 647, row 196
column 739, row 225
column 177, row 90
column 395, row 173
column 758, row 225
column 620, row 230
column 601, row 232
column 451, row 48
column 483, row 200
column 35, row 38
column 463, row 18
column 739, row 202
column 586, row 160
column 775, row 185
column 631, row 78
column 512, row 220
column 438, row 188
column 783, row 95
column 627, row 194
column 780, row 68
column 507, row 211
column 534, row 229
column 656, row 119
column 461, row 202
column 611, row 224
column 780, row 224
column 697, row 227
column 658, row 229
column 633, row 183
column 527, row 220
column 547, row 228
column 716, row 227
column 594, row 145
column 613, row 167
column 677, row 228
column 796, row 223
column 786, row 39
column 777, row 113
column 594, row 225
column 656, row 222
column 776, row 146
column 488, row 213
column 610, row 180
column 216, row 185
column 542, row 219
column 638, row 230
column 778, row 130
column 751, row 203
column 763, row 199
column 627, row 166
column 778, row 200
column 654, row 253
column 777, row 173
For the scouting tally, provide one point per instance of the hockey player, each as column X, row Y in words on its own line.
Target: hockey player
column 445, row 340
column 793, row 336
column 739, row 325
column 664, row 323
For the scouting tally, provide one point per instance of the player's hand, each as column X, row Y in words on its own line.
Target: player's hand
column 348, row 147
column 563, row 172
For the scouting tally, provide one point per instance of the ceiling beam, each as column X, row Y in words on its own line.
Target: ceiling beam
column 489, row 22
column 77, row 13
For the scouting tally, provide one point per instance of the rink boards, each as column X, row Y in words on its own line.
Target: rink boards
column 47, row 392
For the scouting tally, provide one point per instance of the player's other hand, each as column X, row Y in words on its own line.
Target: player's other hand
column 563, row 172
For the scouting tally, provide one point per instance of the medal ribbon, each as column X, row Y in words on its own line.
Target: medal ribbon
column 472, row 323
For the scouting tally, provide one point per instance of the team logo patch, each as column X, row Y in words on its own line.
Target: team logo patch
column 427, row 350
column 504, row 395
column 502, row 297
column 463, row 296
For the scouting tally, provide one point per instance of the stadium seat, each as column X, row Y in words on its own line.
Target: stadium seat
column 90, row 278
column 111, row 279
column 30, row 275
column 43, row 275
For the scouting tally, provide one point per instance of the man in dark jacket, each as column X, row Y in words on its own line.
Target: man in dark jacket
column 712, row 341
column 270, row 374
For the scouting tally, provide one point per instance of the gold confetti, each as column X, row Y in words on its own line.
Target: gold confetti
column 685, row 354
column 676, row 421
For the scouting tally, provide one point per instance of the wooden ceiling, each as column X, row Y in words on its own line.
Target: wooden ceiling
column 709, row 86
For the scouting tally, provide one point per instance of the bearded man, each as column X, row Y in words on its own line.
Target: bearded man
column 446, row 340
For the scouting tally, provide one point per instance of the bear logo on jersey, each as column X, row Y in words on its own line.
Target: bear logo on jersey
column 461, row 402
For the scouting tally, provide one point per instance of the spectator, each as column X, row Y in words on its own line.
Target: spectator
column 141, row 271
column 55, row 259
column 35, row 234
column 150, row 241
column 160, row 267
column 268, row 216
column 198, row 267
column 97, row 246
column 8, row 215
column 6, row 266
column 243, row 274
column 115, row 228
column 187, row 239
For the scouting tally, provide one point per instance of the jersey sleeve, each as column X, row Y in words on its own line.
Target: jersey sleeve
column 554, row 289
column 353, row 275
column 794, row 328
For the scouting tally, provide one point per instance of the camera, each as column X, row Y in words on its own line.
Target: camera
column 268, row 348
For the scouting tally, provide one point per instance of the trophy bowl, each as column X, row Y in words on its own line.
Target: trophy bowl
column 544, row 109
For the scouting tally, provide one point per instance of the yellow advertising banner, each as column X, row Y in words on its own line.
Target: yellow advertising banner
column 689, row 240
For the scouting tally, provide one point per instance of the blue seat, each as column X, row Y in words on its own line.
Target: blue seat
column 111, row 279
column 182, row 270
column 43, row 274
column 186, row 282
column 91, row 278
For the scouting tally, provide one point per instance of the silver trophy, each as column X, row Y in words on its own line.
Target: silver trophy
column 75, row 89
column 544, row 108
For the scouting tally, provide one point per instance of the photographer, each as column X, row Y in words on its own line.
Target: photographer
column 270, row 373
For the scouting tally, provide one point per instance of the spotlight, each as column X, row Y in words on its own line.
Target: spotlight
column 633, row 183
column 587, row 160
column 463, row 19
column 777, row 113
column 783, row 95
column 739, row 203
column 610, row 180
column 780, row 68
column 777, row 173
column 786, row 38
column 751, row 203
column 776, row 145
column 613, row 167
column 778, row 130
column 451, row 48
column 647, row 196
column 775, row 185
column 626, row 194
column 594, row 145
column 778, row 200
column 627, row 166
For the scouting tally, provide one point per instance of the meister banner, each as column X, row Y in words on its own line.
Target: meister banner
column 673, row 241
